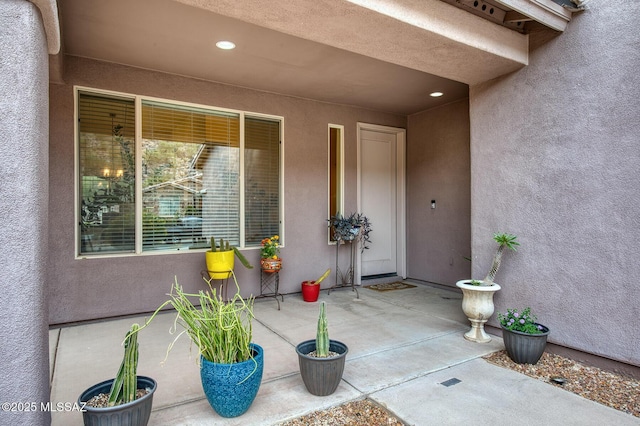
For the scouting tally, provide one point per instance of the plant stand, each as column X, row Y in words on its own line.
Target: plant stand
column 345, row 279
column 223, row 285
column 270, row 284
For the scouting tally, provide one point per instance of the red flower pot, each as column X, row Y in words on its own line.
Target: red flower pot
column 310, row 291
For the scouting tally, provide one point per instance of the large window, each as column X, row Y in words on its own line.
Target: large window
column 193, row 173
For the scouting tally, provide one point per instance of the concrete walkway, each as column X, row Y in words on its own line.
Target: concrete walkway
column 403, row 345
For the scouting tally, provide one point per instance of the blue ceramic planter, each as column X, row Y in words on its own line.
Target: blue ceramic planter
column 134, row 413
column 231, row 388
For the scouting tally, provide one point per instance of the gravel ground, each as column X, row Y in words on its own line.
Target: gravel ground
column 604, row 387
column 610, row 389
column 363, row 412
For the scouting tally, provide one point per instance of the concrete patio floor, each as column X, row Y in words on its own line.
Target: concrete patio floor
column 403, row 345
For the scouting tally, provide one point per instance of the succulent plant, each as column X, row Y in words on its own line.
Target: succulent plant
column 322, row 334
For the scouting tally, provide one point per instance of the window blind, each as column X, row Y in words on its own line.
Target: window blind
column 262, row 182
column 106, row 129
column 190, row 173
column 189, row 169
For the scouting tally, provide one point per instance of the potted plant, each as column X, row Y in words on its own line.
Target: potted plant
column 477, row 296
column 125, row 400
column 221, row 259
column 269, row 260
column 231, row 365
column 349, row 228
column 524, row 339
column 311, row 289
column 321, row 360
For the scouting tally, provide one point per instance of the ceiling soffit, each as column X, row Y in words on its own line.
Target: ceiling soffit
column 427, row 35
column 383, row 55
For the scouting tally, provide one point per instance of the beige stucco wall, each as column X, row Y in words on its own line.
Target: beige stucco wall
column 438, row 169
column 97, row 288
column 554, row 159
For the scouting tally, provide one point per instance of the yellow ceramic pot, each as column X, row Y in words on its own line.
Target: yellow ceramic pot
column 220, row 264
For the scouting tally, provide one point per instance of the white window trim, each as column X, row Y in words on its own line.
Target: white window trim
column 138, row 99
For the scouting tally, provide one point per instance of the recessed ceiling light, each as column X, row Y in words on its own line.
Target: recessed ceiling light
column 225, row 45
column 436, row 94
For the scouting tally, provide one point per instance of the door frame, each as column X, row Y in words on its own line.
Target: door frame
column 401, row 205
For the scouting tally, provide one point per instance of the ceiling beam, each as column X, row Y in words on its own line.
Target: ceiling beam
column 546, row 12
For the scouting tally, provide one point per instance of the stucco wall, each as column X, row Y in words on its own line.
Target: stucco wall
column 555, row 157
column 438, row 169
column 98, row 288
column 23, row 209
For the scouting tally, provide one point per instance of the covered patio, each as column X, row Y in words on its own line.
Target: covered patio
column 535, row 147
column 403, row 346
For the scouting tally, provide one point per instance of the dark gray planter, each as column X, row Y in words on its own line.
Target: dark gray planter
column 525, row 348
column 135, row 413
column 321, row 376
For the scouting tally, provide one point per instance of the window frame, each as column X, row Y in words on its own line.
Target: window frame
column 138, row 99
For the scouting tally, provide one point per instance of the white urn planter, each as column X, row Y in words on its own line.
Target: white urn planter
column 477, row 305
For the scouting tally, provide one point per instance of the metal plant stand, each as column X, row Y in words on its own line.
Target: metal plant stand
column 345, row 279
column 269, row 285
column 224, row 283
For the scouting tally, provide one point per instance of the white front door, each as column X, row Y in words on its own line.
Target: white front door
column 381, row 166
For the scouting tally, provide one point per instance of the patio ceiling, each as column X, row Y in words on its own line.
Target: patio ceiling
column 377, row 55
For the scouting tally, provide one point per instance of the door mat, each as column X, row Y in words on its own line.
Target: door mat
column 389, row 286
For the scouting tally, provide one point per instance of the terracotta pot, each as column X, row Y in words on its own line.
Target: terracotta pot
column 310, row 291
column 270, row 265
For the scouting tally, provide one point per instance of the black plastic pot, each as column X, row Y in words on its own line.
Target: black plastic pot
column 135, row 413
column 525, row 348
column 321, row 376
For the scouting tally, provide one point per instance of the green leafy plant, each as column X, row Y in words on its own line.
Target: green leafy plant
column 222, row 330
column 524, row 321
column 322, row 334
column 124, row 387
column 270, row 247
column 504, row 241
column 226, row 246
